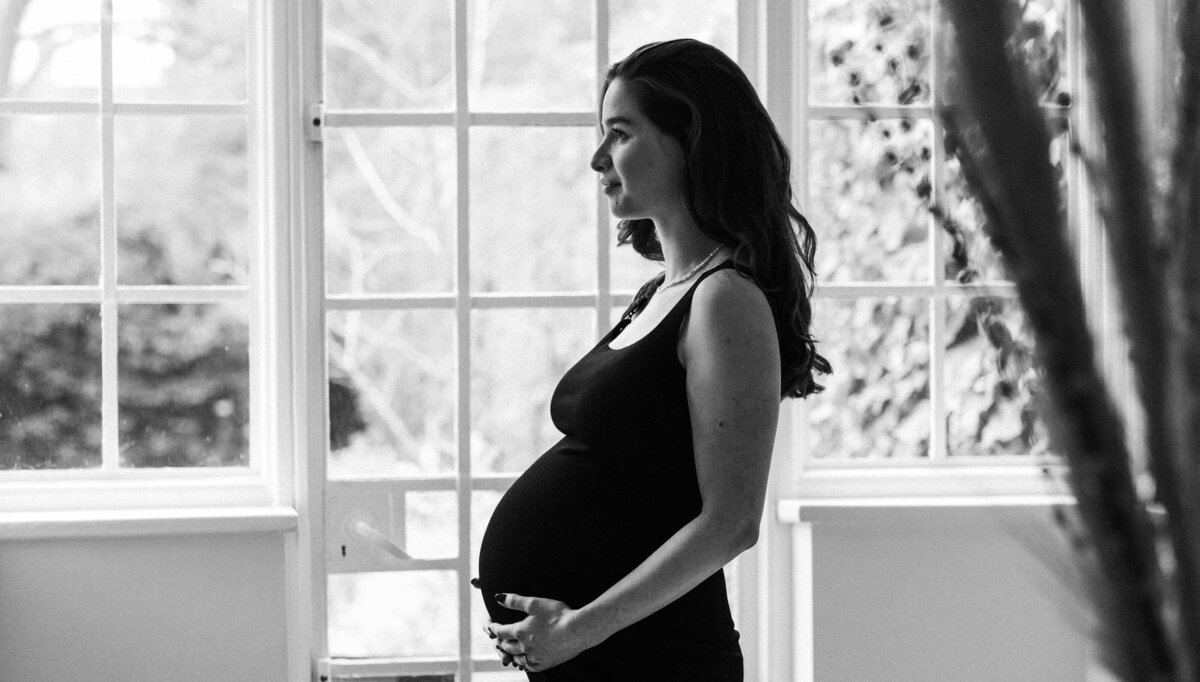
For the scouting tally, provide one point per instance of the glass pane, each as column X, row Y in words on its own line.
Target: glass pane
column 50, row 200
column 1041, row 40
column 876, row 402
column 499, row 677
column 179, row 50
column 869, row 52
column 992, row 383
column 634, row 23
column 182, row 202
column 969, row 254
column 869, row 191
column 533, row 209
column 56, row 53
column 518, row 356
column 406, row 613
column 431, row 524
column 49, row 386
column 183, row 385
column 392, row 393
column 509, row 68
column 390, row 207
column 383, row 54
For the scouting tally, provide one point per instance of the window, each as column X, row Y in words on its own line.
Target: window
column 131, row 311
column 933, row 361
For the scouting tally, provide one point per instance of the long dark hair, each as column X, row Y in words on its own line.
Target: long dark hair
column 737, row 173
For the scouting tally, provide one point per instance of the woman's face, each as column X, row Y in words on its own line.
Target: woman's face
column 640, row 166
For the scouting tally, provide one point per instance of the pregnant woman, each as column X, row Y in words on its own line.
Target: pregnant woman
column 604, row 560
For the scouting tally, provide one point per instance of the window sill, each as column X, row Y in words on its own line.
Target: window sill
column 155, row 492
column 929, row 482
column 922, row 511
column 60, row 525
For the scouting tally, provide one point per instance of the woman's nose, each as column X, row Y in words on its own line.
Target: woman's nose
column 600, row 160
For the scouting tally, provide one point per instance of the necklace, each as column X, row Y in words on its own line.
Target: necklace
column 688, row 275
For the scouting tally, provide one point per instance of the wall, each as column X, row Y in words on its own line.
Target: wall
column 186, row 608
column 944, row 595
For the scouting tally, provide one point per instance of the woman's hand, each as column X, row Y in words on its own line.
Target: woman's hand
column 548, row 636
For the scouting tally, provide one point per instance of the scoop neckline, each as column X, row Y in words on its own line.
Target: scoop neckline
column 608, row 344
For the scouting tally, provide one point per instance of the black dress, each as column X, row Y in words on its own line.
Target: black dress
column 601, row 500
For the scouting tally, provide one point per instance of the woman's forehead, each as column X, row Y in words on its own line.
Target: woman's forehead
column 618, row 104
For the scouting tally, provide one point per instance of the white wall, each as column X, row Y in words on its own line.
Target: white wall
column 899, row 595
column 943, row 595
column 193, row 608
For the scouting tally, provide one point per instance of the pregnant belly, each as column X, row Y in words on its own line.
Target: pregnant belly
column 569, row 527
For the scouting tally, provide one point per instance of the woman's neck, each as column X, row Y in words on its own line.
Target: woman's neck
column 683, row 245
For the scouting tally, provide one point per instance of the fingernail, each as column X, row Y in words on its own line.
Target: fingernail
column 500, row 597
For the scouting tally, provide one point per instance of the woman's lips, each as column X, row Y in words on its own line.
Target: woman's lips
column 612, row 188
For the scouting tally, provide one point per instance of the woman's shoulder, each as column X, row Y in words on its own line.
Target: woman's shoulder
column 730, row 325
column 729, row 301
column 729, row 289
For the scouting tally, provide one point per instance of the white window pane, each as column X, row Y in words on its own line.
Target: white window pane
column 179, row 50
column 57, row 51
column 637, row 22
column 406, row 613
column 392, row 393
column 50, row 200
column 49, row 386
column 876, row 402
column 514, row 67
column 1042, row 40
column 390, row 204
column 182, row 199
column 519, row 356
column 992, row 383
column 183, row 384
column 869, row 52
column 533, row 209
column 384, row 54
column 431, row 524
column 869, row 196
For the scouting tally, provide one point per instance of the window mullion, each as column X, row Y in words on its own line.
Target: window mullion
column 110, row 435
column 604, row 300
column 462, row 136
column 937, row 304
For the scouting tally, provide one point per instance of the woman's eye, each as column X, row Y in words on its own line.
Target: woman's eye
column 619, row 134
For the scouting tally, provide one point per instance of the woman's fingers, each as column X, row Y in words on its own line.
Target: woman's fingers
column 512, row 646
column 515, row 602
column 505, row 657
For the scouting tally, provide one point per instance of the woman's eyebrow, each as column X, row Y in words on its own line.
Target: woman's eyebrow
column 616, row 119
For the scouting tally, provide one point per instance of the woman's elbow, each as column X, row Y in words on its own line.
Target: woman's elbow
column 741, row 536
column 747, row 536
